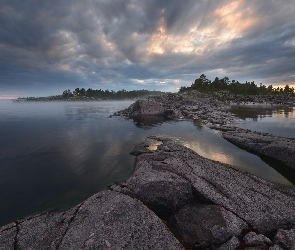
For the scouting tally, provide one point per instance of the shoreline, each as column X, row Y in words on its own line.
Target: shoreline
column 176, row 199
column 260, row 105
column 69, row 100
column 225, row 98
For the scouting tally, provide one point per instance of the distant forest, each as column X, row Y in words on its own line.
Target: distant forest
column 203, row 84
column 106, row 94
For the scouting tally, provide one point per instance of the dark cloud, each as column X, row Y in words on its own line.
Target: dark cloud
column 48, row 46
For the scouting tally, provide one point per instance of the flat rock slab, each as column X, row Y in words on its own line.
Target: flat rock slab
column 263, row 205
column 107, row 220
column 278, row 147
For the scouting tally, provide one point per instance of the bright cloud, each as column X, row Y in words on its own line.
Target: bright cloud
column 47, row 47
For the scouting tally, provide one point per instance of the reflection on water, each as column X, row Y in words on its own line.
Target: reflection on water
column 58, row 154
column 278, row 121
column 153, row 144
column 148, row 121
column 256, row 114
column 210, row 145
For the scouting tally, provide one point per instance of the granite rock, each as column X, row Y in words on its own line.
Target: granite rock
column 208, row 109
column 205, row 225
column 7, row 236
column 224, row 201
column 277, row 147
column 256, row 203
column 231, row 244
column 206, row 204
column 253, row 239
column 162, row 191
column 107, row 220
column 276, row 247
column 285, row 238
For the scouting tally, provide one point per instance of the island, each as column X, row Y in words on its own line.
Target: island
column 80, row 94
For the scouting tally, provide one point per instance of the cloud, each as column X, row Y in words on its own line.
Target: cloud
column 48, row 46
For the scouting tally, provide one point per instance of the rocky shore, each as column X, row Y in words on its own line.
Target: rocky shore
column 264, row 144
column 176, row 199
column 173, row 106
column 208, row 108
column 248, row 100
column 209, row 205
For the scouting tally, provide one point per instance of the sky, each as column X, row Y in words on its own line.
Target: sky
column 49, row 46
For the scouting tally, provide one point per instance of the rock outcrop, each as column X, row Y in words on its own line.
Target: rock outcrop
column 207, row 109
column 107, row 220
column 248, row 100
column 280, row 148
column 175, row 199
column 226, row 203
column 285, row 239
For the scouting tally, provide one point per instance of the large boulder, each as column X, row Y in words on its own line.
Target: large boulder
column 205, row 225
column 141, row 108
column 162, row 191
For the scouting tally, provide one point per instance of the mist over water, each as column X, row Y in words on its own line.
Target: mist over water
column 57, row 154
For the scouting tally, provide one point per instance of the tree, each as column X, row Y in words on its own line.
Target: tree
column 270, row 89
column 288, row 90
column 76, row 91
column 201, row 84
column 82, row 92
column 67, row 93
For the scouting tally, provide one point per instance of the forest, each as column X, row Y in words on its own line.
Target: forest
column 203, row 84
column 106, row 94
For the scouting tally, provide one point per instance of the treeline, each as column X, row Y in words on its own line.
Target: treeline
column 108, row 94
column 203, row 84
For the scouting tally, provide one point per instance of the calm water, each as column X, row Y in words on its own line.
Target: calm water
column 56, row 154
column 280, row 121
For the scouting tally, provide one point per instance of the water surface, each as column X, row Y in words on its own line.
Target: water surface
column 277, row 121
column 56, row 154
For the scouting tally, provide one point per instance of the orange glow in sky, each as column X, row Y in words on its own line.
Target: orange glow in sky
column 8, row 97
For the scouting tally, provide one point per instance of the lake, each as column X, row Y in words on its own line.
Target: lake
column 56, row 154
column 277, row 121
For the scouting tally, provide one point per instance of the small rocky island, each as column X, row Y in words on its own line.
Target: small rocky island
column 176, row 199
